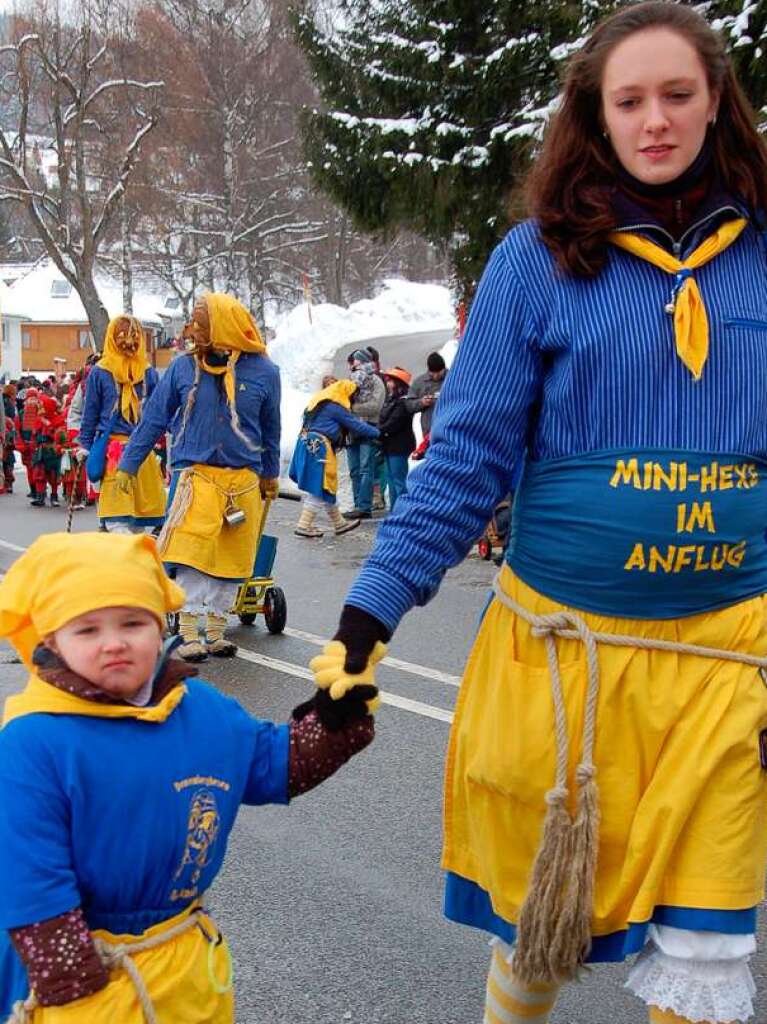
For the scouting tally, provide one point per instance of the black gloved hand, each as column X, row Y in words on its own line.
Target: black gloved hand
column 359, row 632
column 336, row 714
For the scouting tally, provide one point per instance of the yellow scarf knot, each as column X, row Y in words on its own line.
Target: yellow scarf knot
column 686, row 302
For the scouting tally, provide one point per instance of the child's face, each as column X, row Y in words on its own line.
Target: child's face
column 115, row 649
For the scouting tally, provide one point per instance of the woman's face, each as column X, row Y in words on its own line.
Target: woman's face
column 656, row 104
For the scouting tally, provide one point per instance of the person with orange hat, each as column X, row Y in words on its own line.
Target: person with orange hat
column 121, row 777
column 396, row 426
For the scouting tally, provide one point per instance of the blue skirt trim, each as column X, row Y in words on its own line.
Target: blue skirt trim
column 467, row 903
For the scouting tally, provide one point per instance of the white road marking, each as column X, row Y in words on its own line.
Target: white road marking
column 11, row 547
column 404, row 666
column 288, row 668
column 417, row 707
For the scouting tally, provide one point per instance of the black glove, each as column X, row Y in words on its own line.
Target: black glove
column 336, row 714
column 359, row 632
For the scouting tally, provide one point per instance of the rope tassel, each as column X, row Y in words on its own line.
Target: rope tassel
column 554, row 930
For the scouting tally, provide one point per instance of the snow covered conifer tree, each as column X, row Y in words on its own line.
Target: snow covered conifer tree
column 432, row 108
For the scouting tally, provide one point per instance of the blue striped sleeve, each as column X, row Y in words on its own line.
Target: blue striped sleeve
column 479, row 433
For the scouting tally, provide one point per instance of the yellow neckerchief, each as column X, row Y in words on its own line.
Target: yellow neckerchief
column 227, row 369
column 686, row 304
column 340, row 391
column 128, row 371
column 40, row 697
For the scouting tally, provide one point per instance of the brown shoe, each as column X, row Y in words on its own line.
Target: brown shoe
column 192, row 651
column 222, row 649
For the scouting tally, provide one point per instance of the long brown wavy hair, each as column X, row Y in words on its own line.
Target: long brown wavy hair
column 568, row 188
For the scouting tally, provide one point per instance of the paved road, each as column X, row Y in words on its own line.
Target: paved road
column 408, row 350
column 332, row 906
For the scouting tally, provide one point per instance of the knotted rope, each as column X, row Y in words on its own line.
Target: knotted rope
column 182, row 499
column 554, row 929
column 119, row 956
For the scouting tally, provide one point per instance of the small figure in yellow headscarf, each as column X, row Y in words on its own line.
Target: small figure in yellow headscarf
column 116, row 391
column 327, row 419
column 222, row 404
column 120, row 781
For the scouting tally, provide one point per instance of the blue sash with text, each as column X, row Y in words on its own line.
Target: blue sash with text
column 646, row 534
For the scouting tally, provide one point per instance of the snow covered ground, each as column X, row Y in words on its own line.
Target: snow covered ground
column 304, row 351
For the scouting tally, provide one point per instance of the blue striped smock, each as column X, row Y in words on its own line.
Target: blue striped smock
column 552, row 366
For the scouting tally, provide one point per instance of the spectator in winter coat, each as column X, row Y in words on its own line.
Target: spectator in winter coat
column 425, row 389
column 313, row 467
column 366, row 405
column 396, row 426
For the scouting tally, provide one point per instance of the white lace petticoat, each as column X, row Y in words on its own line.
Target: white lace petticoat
column 715, row 990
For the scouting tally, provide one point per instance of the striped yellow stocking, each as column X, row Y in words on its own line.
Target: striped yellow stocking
column 658, row 1016
column 511, row 1001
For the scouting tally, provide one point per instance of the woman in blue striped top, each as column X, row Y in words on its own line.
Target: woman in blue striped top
column 606, row 787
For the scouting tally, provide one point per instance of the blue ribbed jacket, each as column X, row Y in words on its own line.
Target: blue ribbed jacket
column 552, row 365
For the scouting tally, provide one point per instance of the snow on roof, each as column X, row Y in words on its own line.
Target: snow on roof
column 34, row 298
column 6, row 301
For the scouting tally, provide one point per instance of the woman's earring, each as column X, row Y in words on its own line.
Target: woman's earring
column 712, row 122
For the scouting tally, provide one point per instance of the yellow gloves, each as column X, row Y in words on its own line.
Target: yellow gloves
column 124, row 481
column 329, row 673
column 269, row 487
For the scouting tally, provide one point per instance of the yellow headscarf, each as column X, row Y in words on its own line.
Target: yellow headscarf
column 232, row 329
column 128, row 371
column 63, row 575
column 341, row 392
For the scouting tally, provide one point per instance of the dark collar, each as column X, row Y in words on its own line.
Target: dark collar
column 51, row 669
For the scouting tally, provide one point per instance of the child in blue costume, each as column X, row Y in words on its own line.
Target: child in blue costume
column 328, row 419
column 120, row 781
column 605, row 788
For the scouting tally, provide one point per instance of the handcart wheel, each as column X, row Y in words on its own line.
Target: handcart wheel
column 247, row 618
column 485, row 548
column 275, row 609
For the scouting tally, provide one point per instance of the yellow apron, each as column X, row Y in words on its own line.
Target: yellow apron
column 195, row 532
column 183, row 977
column 147, row 497
column 682, row 791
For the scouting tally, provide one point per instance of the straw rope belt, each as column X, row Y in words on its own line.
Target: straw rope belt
column 554, row 929
column 182, row 499
column 118, row 956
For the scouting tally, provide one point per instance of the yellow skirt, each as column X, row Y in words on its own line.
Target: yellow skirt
column 682, row 791
column 177, row 975
column 145, row 505
column 196, row 533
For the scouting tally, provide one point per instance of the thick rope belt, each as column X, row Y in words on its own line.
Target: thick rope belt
column 118, row 956
column 554, row 929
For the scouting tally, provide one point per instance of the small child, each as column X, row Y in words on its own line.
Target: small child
column 120, row 781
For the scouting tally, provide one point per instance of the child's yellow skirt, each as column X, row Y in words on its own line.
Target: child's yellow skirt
column 683, row 794
column 187, row 979
column 146, row 501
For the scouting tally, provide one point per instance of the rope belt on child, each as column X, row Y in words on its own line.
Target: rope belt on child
column 117, row 956
column 554, row 929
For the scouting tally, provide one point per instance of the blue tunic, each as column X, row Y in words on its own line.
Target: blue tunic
column 324, row 425
column 101, row 400
column 208, row 437
column 128, row 819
